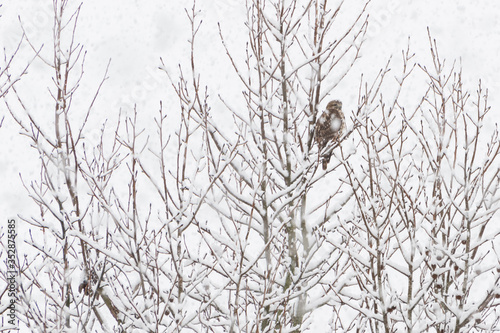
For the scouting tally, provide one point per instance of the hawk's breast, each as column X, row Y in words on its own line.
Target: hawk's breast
column 335, row 124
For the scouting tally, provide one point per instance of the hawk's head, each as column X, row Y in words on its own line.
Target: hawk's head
column 334, row 105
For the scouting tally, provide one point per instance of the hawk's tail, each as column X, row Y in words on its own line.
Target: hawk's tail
column 326, row 159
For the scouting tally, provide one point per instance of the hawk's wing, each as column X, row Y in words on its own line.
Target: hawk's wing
column 324, row 132
column 328, row 129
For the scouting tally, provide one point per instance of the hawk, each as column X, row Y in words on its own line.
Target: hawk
column 329, row 128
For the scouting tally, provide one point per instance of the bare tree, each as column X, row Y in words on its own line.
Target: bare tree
column 48, row 275
column 204, row 226
column 276, row 275
column 419, row 240
column 8, row 236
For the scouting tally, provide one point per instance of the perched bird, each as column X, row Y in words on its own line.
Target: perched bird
column 329, row 128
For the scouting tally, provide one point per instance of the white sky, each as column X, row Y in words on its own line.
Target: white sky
column 135, row 34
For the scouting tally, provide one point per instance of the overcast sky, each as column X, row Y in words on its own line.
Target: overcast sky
column 135, row 34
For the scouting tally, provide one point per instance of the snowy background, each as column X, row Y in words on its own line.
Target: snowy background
column 134, row 35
